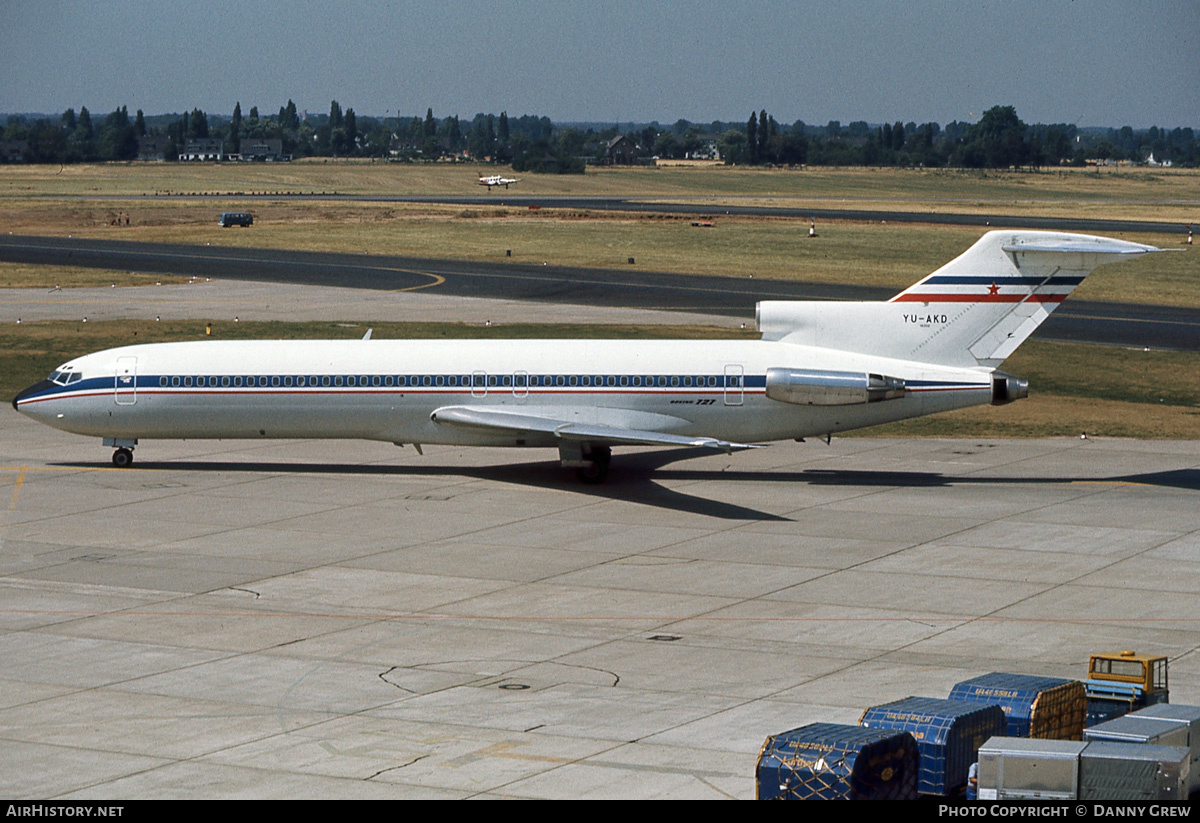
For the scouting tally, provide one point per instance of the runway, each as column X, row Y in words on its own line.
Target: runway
column 1078, row 321
column 338, row 620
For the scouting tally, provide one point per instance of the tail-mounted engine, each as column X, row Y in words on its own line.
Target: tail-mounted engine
column 1006, row 388
column 811, row 387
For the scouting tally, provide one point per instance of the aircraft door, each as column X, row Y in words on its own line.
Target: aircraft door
column 735, row 380
column 479, row 384
column 520, row 384
column 125, row 383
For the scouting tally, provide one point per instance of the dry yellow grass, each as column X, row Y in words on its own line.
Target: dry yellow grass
column 891, row 256
column 1050, row 415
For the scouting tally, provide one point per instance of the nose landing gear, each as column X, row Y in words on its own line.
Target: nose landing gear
column 123, row 456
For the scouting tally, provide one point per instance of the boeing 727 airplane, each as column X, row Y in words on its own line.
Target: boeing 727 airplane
column 497, row 180
column 821, row 367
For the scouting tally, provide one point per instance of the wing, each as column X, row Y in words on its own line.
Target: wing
column 468, row 417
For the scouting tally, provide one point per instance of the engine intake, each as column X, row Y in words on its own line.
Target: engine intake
column 1006, row 388
column 811, row 387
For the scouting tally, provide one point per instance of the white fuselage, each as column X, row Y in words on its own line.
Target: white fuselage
column 387, row 389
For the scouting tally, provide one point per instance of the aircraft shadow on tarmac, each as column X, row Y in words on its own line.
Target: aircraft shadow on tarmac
column 632, row 478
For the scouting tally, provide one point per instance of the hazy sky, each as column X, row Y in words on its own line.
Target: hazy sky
column 1089, row 62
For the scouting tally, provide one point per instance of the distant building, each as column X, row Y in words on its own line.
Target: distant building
column 398, row 146
column 620, row 151
column 13, row 151
column 152, row 148
column 202, row 148
column 264, row 150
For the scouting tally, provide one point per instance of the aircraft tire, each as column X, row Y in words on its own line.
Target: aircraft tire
column 597, row 471
column 122, row 458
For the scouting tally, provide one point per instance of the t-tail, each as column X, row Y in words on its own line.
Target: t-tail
column 973, row 312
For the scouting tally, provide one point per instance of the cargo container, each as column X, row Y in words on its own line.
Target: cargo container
column 948, row 734
column 1133, row 771
column 1041, row 707
column 1012, row 768
column 829, row 761
column 1130, row 729
column 1186, row 716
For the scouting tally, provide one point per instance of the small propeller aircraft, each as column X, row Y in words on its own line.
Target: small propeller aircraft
column 498, row 180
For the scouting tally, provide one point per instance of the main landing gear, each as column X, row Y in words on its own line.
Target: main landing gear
column 597, row 468
column 589, row 460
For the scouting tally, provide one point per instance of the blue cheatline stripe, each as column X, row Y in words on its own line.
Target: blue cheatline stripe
column 970, row 280
column 148, row 382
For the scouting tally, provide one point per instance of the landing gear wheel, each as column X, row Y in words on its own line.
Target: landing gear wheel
column 597, row 470
column 123, row 458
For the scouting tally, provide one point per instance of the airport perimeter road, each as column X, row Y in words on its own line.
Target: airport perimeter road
column 870, row 215
column 323, row 619
column 603, row 203
column 1079, row 321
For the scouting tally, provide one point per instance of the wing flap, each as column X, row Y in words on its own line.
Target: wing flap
column 468, row 417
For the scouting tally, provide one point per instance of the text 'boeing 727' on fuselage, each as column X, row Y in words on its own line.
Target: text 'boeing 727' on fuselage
column 820, row 368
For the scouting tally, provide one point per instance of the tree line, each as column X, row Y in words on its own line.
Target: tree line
column 999, row 139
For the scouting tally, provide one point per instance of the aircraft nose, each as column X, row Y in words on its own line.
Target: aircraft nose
column 36, row 388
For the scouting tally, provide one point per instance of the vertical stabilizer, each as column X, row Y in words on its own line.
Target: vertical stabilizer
column 974, row 311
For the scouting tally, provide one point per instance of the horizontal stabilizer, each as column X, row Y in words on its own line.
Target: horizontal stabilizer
column 974, row 311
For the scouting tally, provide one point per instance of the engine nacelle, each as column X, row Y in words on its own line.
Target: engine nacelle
column 1006, row 388
column 812, row 387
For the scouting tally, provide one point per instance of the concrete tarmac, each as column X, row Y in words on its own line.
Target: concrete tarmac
column 323, row 619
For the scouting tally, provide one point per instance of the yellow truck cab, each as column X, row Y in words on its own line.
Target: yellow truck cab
column 1123, row 681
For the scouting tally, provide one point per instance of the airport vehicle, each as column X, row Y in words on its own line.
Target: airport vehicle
column 820, row 368
column 498, row 180
column 1122, row 681
column 235, row 218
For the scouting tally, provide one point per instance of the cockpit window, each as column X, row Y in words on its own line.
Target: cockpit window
column 64, row 377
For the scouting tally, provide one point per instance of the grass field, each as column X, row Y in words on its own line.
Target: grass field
column 125, row 201
column 1118, row 192
column 893, row 255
